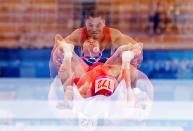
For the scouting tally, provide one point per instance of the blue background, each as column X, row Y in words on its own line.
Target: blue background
column 157, row 64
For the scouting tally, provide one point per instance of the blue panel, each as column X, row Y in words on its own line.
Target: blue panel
column 10, row 72
column 168, row 64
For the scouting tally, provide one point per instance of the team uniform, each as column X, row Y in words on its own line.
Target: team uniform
column 102, row 83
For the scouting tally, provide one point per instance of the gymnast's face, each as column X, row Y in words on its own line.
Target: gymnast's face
column 91, row 47
column 95, row 26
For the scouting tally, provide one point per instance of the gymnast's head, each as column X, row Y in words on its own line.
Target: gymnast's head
column 91, row 47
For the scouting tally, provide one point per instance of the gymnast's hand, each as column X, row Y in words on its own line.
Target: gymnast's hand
column 61, row 44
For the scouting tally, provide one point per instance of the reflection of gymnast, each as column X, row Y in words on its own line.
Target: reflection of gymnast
column 96, row 75
column 71, row 67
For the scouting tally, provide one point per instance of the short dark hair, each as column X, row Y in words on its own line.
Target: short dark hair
column 94, row 13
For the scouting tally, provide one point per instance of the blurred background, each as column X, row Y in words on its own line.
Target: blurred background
column 28, row 27
column 27, row 30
